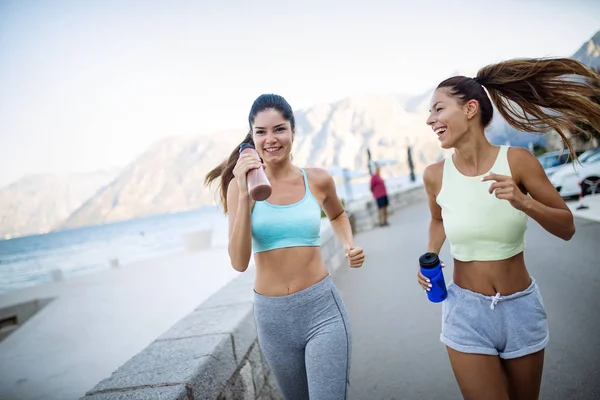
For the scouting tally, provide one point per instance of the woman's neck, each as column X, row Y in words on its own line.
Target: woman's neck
column 475, row 152
column 279, row 171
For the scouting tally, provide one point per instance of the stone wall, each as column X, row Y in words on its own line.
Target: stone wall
column 213, row 353
column 15, row 315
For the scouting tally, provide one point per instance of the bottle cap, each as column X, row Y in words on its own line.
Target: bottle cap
column 245, row 146
column 429, row 260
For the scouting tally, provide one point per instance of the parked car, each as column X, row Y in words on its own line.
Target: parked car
column 555, row 159
column 566, row 178
column 589, row 175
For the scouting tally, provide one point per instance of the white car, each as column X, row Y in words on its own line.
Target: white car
column 567, row 177
column 554, row 160
column 589, row 176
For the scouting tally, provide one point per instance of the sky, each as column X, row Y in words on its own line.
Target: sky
column 89, row 85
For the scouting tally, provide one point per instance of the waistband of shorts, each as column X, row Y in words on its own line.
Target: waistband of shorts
column 530, row 289
column 312, row 292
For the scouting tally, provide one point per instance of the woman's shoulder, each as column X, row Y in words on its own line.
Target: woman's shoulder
column 520, row 157
column 318, row 173
column 319, row 177
column 433, row 173
column 522, row 162
column 432, row 177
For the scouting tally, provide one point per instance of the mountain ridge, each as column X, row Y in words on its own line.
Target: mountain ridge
column 169, row 175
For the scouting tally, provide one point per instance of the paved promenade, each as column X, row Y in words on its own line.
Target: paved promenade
column 397, row 353
column 97, row 322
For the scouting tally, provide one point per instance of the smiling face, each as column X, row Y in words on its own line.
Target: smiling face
column 273, row 136
column 448, row 118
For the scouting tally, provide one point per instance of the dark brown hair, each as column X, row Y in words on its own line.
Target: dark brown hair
column 225, row 169
column 534, row 95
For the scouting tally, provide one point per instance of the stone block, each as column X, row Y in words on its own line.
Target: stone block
column 239, row 290
column 255, row 359
column 197, row 240
column 242, row 387
column 236, row 320
column 270, row 390
column 204, row 363
column 177, row 392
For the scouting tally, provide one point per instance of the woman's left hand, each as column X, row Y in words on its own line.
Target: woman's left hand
column 355, row 256
column 505, row 188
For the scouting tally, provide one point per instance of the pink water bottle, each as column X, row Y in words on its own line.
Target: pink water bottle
column 259, row 186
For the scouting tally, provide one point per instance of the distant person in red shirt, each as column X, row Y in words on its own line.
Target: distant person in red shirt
column 380, row 193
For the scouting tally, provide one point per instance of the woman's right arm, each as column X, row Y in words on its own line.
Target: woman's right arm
column 432, row 178
column 239, row 205
column 240, row 231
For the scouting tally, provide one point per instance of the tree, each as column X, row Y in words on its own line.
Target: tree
column 411, row 164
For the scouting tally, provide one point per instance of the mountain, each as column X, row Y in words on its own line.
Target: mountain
column 169, row 176
column 339, row 134
column 589, row 53
column 40, row 203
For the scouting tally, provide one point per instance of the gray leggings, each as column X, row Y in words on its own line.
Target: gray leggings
column 305, row 338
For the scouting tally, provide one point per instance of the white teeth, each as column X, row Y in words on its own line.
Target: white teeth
column 272, row 149
column 440, row 130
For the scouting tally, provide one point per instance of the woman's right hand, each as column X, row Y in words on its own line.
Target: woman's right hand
column 245, row 163
column 423, row 280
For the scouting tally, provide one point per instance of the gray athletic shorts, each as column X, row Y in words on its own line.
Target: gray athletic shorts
column 508, row 326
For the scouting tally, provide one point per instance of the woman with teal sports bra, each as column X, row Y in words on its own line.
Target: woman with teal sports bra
column 301, row 321
column 480, row 197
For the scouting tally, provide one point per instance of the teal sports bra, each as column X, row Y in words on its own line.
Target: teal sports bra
column 290, row 225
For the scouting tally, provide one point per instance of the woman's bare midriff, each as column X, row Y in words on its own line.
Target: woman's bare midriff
column 491, row 277
column 285, row 271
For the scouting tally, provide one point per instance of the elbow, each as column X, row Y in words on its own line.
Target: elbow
column 238, row 263
column 239, row 267
column 568, row 233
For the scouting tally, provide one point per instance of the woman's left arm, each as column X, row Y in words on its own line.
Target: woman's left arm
column 340, row 223
column 545, row 204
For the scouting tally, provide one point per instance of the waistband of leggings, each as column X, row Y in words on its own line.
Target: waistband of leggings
column 312, row 292
column 530, row 289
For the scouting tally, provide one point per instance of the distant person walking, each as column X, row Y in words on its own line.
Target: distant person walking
column 302, row 323
column 380, row 194
column 480, row 198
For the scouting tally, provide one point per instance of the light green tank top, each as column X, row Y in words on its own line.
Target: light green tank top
column 479, row 226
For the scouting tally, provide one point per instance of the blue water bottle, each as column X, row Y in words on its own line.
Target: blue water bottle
column 431, row 268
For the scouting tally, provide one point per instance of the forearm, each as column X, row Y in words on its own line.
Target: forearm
column 342, row 229
column 437, row 236
column 557, row 221
column 240, row 240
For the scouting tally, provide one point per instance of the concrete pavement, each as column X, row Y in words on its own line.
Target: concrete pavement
column 98, row 321
column 592, row 210
column 396, row 348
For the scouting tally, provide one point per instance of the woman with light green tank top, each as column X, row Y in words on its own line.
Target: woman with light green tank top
column 481, row 197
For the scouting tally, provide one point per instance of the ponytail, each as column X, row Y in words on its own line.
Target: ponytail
column 225, row 171
column 535, row 95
